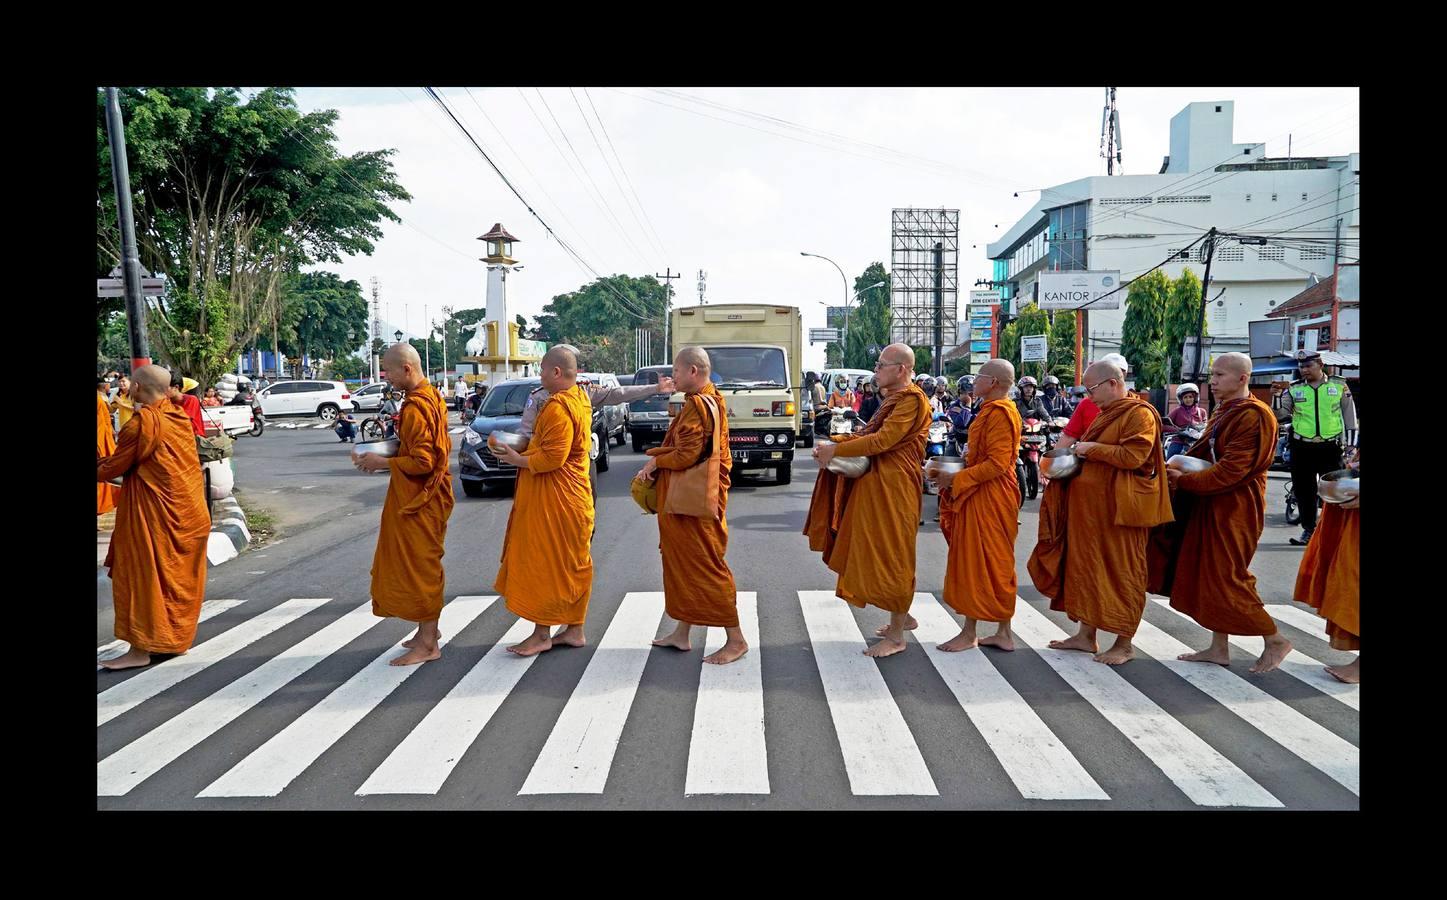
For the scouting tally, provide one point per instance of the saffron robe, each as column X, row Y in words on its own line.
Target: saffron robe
column 407, row 576
column 978, row 518
column 546, row 572
column 157, row 556
column 105, row 445
column 866, row 526
column 1202, row 559
column 1330, row 577
column 698, row 586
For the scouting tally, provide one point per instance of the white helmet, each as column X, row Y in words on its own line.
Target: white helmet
column 1117, row 360
column 1187, row 388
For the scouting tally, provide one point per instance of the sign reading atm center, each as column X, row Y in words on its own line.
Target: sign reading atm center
column 1080, row 290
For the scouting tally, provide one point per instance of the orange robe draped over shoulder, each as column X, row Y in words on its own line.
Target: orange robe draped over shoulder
column 546, row 572
column 698, row 586
column 407, row 577
column 157, row 557
column 1330, row 577
column 1109, row 510
column 978, row 518
column 1202, row 559
column 105, row 445
column 866, row 526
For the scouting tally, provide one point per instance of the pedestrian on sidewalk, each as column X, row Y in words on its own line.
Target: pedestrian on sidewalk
column 180, row 394
column 157, row 555
column 460, row 393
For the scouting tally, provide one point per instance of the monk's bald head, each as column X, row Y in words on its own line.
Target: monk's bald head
column 691, row 368
column 1105, row 384
column 1231, row 376
column 559, row 368
column 149, row 383
column 896, row 367
column 403, row 367
column 1003, row 373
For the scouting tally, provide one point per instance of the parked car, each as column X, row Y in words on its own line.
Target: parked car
column 502, row 410
column 324, row 399
column 625, row 380
column 616, row 414
column 651, row 374
column 368, row 397
column 648, row 421
column 234, row 420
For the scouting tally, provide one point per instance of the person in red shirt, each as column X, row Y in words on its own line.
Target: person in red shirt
column 1086, row 412
column 179, row 394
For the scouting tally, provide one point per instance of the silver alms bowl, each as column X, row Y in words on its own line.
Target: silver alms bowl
column 1339, row 486
column 1060, row 464
column 849, row 466
column 507, row 439
column 386, row 448
column 1188, row 463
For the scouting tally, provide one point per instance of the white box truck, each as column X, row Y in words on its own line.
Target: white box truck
column 757, row 354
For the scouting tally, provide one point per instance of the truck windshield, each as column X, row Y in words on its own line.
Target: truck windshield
column 655, row 403
column 507, row 400
column 748, row 367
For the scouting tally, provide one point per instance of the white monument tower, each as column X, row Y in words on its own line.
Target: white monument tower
column 502, row 331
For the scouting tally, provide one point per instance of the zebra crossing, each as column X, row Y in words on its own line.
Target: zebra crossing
column 145, row 732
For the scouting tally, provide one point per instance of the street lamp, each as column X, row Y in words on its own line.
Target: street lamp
column 845, row 279
column 398, row 335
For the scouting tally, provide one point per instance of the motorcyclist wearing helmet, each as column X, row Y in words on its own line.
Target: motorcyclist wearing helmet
column 931, row 388
column 1056, row 403
column 1028, row 403
column 1189, row 413
column 842, row 397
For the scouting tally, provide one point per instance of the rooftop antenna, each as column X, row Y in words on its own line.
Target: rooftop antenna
column 702, row 284
column 1110, row 133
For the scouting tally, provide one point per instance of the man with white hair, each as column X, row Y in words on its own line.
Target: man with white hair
column 1087, row 409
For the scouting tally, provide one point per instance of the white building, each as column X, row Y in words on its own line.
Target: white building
column 1306, row 208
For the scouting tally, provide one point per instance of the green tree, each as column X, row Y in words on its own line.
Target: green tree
column 923, row 358
column 350, row 367
column 1031, row 320
column 1062, row 347
column 601, row 325
column 330, row 316
column 1153, row 369
column 1182, row 318
column 869, row 320
column 230, row 199
column 1144, row 325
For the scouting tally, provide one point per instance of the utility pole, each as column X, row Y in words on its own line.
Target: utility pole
column 376, row 324
column 1210, row 248
column 427, row 345
column 130, row 257
column 702, row 284
column 1110, row 132
column 667, row 276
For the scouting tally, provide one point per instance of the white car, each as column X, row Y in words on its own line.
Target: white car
column 368, row 397
column 324, row 399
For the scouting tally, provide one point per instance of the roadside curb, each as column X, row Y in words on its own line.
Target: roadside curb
column 229, row 534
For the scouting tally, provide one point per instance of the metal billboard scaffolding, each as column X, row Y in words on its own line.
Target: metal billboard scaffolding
column 924, row 279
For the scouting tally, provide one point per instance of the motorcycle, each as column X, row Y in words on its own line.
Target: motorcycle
column 937, row 443
column 847, row 422
column 258, row 421
column 375, row 428
column 1034, row 438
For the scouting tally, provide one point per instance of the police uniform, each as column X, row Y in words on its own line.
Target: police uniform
column 1322, row 418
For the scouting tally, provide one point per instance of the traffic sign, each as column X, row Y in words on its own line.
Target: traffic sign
column 116, row 287
column 1033, row 348
column 827, row 335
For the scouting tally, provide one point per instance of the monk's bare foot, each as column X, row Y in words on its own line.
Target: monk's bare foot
column 1210, row 655
column 1351, row 674
column 133, row 659
column 1276, row 649
column 1116, row 655
column 412, row 641
column 1003, row 641
column 675, row 641
column 887, row 647
column 570, row 636
column 1076, row 642
column 909, row 625
column 532, row 646
column 419, row 654
column 962, row 641
column 729, row 652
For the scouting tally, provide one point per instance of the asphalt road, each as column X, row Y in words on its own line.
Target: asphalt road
column 328, row 514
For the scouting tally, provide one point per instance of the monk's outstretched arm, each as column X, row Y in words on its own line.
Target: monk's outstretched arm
column 129, row 452
column 896, row 428
column 689, row 440
column 1001, row 447
column 422, row 455
column 1234, row 460
column 551, row 440
column 1137, row 448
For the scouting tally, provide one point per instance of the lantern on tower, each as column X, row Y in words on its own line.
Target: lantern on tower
column 499, row 246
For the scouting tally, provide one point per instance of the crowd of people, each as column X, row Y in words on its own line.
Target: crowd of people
column 1125, row 524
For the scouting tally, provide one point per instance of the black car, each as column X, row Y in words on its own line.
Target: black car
column 648, row 421
column 502, row 410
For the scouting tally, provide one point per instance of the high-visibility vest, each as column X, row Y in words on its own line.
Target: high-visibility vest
column 1316, row 412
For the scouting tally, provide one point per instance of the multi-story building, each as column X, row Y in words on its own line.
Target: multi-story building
column 1307, row 209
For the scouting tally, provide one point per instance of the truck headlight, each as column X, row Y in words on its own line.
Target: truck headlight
column 769, row 439
column 784, row 407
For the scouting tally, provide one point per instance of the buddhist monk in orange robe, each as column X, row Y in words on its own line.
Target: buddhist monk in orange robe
column 157, row 556
column 977, row 515
column 407, row 576
column 105, row 445
column 698, row 586
column 1120, row 494
column 1202, row 559
column 1330, row 579
column 866, row 526
column 546, row 572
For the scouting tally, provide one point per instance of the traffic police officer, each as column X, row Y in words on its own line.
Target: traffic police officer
column 1322, row 416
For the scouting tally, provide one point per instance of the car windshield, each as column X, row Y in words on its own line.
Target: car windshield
column 655, row 403
column 507, row 400
column 744, row 367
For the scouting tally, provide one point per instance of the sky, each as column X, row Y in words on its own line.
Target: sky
column 737, row 182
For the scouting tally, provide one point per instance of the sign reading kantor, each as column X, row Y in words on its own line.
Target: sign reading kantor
column 1077, row 290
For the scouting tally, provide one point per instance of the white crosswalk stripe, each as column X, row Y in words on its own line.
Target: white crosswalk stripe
column 1297, row 664
column 727, row 749
column 209, row 608
column 1308, row 622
